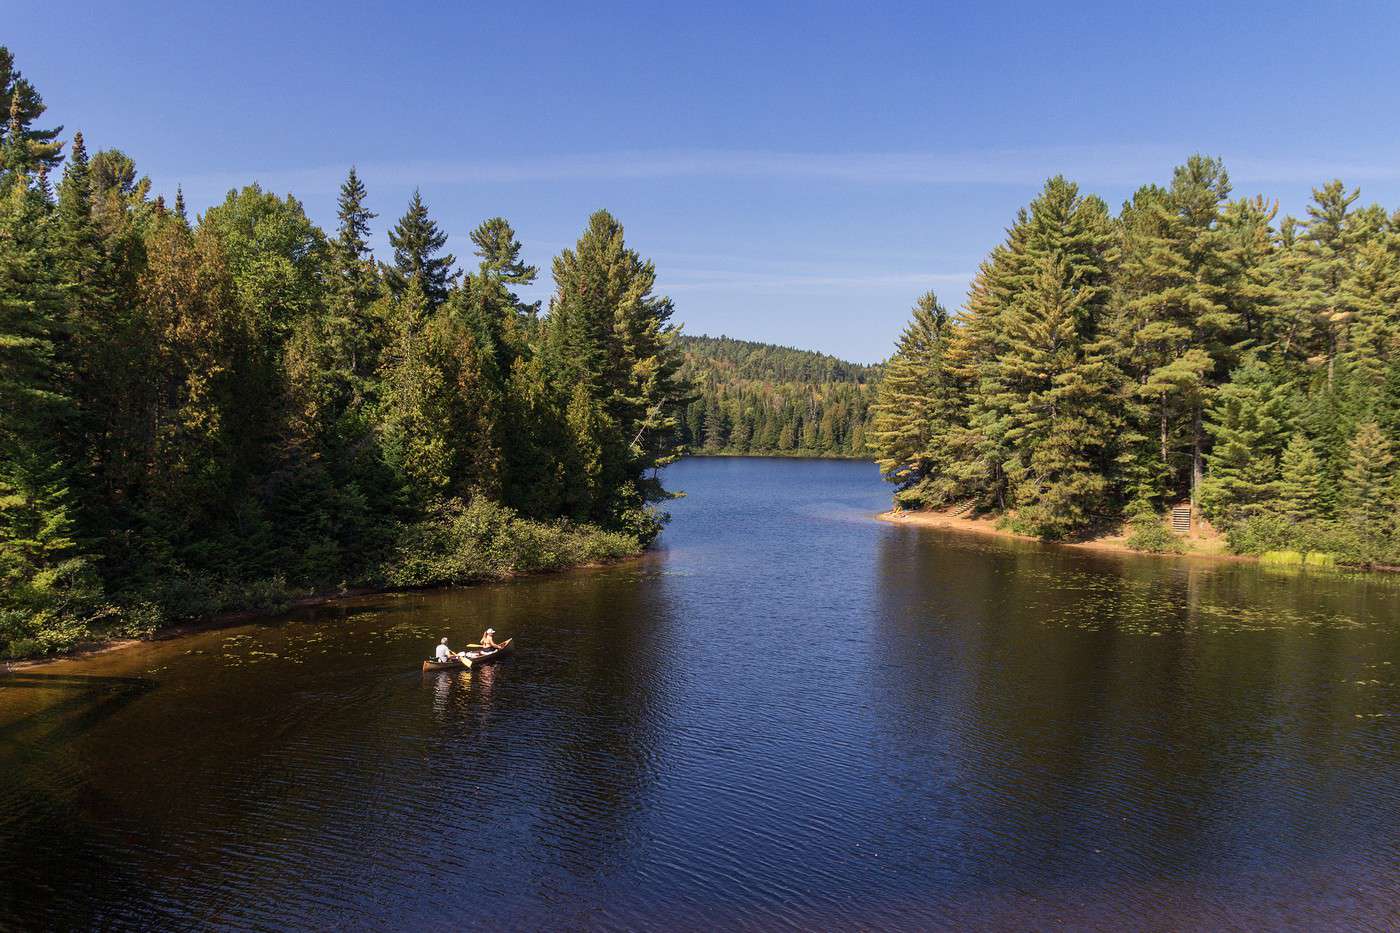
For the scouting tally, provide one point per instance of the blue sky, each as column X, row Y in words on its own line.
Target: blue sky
column 799, row 172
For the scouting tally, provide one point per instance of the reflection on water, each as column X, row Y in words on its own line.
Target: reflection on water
column 789, row 716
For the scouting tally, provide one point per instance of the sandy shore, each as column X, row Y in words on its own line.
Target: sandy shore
column 1206, row 544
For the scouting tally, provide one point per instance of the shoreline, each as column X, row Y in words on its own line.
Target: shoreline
column 237, row 617
column 1197, row 546
column 770, row 455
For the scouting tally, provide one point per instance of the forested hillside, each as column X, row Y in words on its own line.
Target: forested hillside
column 207, row 413
column 760, row 399
column 1192, row 346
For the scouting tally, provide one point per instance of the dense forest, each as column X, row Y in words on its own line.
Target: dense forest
column 1192, row 347
column 209, row 413
column 761, row 399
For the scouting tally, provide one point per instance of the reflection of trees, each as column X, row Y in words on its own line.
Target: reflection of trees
column 51, row 861
column 1048, row 736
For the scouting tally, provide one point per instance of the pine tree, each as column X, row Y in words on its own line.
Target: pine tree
column 43, row 566
column 357, row 285
column 1300, row 495
column 1249, row 264
column 584, row 466
column 1059, row 390
column 22, row 147
column 1049, row 404
column 1371, row 293
column 502, row 322
column 417, row 241
column 916, row 407
column 1248, row 420
column 1370, row 496
column 608, row 332
column 333, row 357
column 1326, row 252
column 715, row 428
column 1172, row 323
column 415, row 431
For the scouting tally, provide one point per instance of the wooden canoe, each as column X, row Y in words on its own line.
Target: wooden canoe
column 476, row 656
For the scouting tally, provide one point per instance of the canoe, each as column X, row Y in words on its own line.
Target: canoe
column 476, row 656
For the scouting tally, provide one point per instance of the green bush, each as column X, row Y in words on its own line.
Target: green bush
column 483, row 540
column 1154, row 537
column 1319, row 543
column 1261, row 533
column 1148, row 531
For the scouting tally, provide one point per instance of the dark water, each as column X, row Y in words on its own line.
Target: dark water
column 791, row 716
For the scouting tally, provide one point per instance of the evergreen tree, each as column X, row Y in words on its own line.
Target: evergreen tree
column 608, row 332
column 1370, row 496
column 584, row 464
column 716, row 435
column 1060, row 390
column 1172, row 323
column 23, row 148
column 916, row 407
column 1326, row 252
column 333, row 356
column 1248, row 420
column 1053, row 393
column 1300, row 495
column 1249, row 264
column 416, row 432
column 44, row 570
column 417, row 242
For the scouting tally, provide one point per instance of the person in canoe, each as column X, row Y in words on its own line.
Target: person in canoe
column 488, row 640
column 444, row 653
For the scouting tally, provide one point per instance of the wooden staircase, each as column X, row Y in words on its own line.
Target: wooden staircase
column 1181, row 519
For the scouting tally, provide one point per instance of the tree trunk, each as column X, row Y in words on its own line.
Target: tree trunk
column 1166, row 454
column 1196, row 468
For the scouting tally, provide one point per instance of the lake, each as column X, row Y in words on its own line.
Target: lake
column 788, row 715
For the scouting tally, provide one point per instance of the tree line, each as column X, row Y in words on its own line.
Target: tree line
column 765, row 400
column 1192, row 347
column 206, row 413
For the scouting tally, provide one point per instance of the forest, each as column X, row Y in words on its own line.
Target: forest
column 214, row 413
column 765, row 400
column 1194, row 347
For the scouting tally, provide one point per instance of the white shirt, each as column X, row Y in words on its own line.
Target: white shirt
column 443, row 653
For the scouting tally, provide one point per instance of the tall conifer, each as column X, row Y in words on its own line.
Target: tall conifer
column 417, row 244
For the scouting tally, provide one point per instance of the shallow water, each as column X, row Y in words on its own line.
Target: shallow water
column 789, row 715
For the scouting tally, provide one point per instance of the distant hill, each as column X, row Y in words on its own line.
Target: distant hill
column 762, row 399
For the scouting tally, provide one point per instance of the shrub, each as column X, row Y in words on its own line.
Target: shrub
column 1320, row 543
column 1260, row 533
column 1148, row 531
column 483, row 540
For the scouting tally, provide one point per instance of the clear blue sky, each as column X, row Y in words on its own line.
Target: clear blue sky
column 799, row 172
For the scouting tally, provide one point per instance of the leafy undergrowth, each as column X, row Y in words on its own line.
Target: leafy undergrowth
column 457, row 544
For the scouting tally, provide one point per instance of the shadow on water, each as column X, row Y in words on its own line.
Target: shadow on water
column 89, row 700
column 47, row 809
